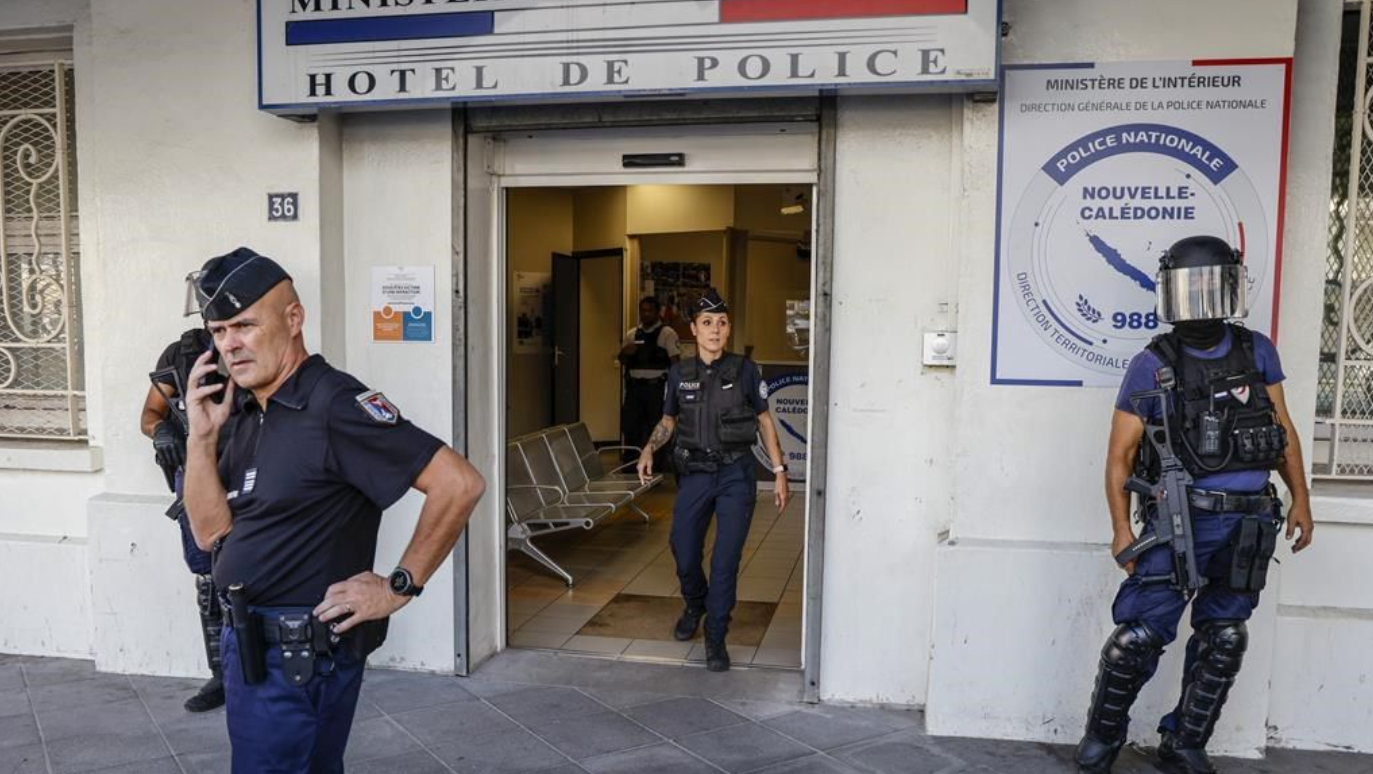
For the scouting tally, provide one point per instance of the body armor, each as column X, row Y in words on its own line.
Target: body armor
column 715, row 419
column 649, row 356
column 1220, row 415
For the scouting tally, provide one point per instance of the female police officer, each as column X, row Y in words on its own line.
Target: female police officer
column 292, row 507
column 717, row 405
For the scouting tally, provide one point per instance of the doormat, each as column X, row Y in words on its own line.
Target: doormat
column 639, row 617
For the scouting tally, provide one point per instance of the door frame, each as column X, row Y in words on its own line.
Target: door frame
column 794, row 153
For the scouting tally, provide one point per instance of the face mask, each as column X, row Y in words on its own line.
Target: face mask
column 1201, row 334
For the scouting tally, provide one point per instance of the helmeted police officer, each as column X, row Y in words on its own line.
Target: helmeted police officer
column 1217, row 388
column 649, row 350
column 164, row 421
column 292, row 508
column 717, row 405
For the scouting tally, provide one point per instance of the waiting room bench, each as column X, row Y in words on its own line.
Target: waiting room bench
column 556, row 481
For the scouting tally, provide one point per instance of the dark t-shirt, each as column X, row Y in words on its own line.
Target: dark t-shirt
column 750, row 381
column 307, row 480
column 1142, row 376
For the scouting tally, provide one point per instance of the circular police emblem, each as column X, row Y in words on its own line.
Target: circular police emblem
column 789, row 403
column 1081, row 253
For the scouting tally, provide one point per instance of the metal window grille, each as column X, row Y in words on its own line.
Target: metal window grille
column 42, row 384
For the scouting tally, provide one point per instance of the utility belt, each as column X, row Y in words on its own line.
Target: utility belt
column 687, row 461
column 1229, row 502
column 301, row 637
column 1254, row 540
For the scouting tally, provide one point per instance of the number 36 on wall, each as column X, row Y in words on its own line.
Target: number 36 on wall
column 283, row 206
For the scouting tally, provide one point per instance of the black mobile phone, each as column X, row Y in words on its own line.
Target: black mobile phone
column 219, row 376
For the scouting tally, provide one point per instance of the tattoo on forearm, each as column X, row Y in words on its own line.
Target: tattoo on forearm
column 661, row 435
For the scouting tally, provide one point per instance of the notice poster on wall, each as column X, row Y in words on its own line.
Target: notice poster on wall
column 677, row 286
column 787, row 388
column 533, row 294
column 1102, row 167
column 402, row 303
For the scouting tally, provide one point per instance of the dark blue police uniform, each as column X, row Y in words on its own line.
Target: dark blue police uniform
column 719, row 481
column 307, row 478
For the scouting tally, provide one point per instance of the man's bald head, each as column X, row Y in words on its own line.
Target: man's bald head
column 264, row 344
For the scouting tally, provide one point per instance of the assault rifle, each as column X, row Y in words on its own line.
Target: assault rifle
column 1173, row 514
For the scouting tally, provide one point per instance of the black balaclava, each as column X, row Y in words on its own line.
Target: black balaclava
column 1201, row 334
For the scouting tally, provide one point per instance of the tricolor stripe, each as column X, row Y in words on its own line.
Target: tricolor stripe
column 785, row 10
column 372, row 29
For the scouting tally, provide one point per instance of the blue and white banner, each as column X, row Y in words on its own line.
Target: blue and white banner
column 1102, row 166
column 317, row 53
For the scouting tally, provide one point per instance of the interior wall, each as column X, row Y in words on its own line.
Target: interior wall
column 602, row 332
column 539, row 222
column 662, row 209
column 599, row 217
column 775, row 275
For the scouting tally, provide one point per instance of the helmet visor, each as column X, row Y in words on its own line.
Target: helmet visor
column 195, row 298
column 1203, row 293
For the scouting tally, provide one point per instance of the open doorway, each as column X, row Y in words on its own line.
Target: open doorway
column 589, row 569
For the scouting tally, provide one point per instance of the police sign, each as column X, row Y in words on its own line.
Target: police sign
column 315, row 53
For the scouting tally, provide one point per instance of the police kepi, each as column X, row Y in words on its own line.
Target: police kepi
column 716, row 403
column 1212, row 390
column 292, row 506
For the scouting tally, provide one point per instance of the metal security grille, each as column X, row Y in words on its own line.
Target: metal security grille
column 41, row 380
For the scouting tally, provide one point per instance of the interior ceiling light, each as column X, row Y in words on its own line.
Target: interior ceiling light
column 793, row 209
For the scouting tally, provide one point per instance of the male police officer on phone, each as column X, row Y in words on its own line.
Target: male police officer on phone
column 1218, row 389
column 292, row 507
column 164, row 422
column 717, row 405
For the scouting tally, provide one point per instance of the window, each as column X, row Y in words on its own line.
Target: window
column 42, row 382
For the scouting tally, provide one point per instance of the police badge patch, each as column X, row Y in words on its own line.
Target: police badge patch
column 378, row 408
column 763, row 389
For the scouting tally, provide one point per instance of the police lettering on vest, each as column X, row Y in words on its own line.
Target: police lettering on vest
column 715, row 414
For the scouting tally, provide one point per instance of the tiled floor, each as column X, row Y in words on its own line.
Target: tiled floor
column 530, row 712
column 625, row 555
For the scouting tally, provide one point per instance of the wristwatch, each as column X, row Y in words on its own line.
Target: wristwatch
column 402, row 583
column 781, row 468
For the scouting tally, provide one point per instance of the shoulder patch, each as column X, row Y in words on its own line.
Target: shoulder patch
column 378, row 408
column 763, row 389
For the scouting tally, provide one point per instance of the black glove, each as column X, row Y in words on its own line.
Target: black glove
column 169, row 448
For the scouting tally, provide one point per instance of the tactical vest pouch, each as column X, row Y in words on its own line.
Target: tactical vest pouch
column 1254, row 543
column 1265, row 443
column 738, row 427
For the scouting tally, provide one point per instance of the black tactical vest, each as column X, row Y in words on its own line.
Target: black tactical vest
column 713, row 413
column 1222, row 419
column 649, row 356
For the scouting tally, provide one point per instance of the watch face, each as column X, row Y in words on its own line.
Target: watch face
column 399, row 581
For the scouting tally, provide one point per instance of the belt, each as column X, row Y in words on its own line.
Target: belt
column 1229, row 502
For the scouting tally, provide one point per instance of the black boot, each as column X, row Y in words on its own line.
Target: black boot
column 717, row 655
column 1220, row 653
column 211, row 694
column 1126, row 662
column 688, row 624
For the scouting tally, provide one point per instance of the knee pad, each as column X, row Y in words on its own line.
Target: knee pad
column 1131, row 647
column 1223, row 646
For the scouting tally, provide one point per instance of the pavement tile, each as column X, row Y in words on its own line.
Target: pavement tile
column 676, row 718
column 100, row 689
column 744, row 748
column 51, row 671
column 96, row 751
column 23, row 759
column 758, row 710
column 394, row 692
column 206, row 763
column 513, row 750
column 121, row 718
column 1001, row 755
column 534, row 706
column 815, row 764
column 826, row 728
column 444, row 724
column 11, row 678
column 1311, row 762
column 588, row 736
column 622, row 699
column 378, row 738
column 18, row 731
column 411, row 763
column 906, row 753
column 484, row 688
column 165, row 696
column 568, row 768
column 196, row 733
column 16, row 703
column 659, row 759
column 159, row 766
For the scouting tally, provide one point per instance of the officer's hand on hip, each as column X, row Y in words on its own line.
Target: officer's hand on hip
column 645, row 466
column 204, row 415
column 782, row 493
column 1300, row 518
column 363, row 597
column 1120, row 542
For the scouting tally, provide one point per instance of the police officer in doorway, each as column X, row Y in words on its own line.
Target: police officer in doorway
column 292, row 508
column 649, row 350
column 1216, row 389
column 716, row 403
column 164, row 421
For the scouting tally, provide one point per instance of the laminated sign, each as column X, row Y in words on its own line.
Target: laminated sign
column 1102, row 167
column 403, row 303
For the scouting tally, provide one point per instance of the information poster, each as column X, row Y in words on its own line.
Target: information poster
column 403, row 303
column 1102, row 167
column 788, row 392
column 533, row 294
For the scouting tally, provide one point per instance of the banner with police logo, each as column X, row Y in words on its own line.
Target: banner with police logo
column 1102, row 166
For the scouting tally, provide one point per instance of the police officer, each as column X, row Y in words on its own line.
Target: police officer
column 717, row 405
column 164, row 423
column 649, row 350
column 1223, row 403
column 292, row 508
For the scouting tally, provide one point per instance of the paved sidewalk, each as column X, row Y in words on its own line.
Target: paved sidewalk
column 58, row 715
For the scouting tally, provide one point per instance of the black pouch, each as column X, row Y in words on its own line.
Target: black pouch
column 371, row 636
column 297, row 642
column 1254, row 543
column 252, row 651
column 738, row 426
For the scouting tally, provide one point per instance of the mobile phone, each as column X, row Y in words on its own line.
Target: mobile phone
column 219, row 376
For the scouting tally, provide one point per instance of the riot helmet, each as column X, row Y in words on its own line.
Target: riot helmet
column 1202, row 278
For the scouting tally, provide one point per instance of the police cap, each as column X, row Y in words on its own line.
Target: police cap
column 228, row 284
column 710, row 302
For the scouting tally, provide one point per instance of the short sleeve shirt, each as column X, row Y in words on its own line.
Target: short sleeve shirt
column 750, row 381
column 667, row 339
column 307, row 480
column 1142, row 375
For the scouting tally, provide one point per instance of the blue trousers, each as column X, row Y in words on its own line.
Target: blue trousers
column 276, row 728
column 729, row 495
column 1161, row 607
